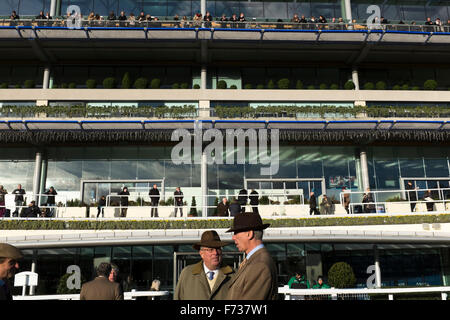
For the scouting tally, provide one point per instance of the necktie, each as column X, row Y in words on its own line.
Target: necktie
column 243, row 263
column 210, row 275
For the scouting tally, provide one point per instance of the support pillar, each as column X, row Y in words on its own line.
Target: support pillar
column 37, row 177
column 204, row 60
column 355, row 78
column 203, row 7
column 203, row 77
column 46, row 80
column 364, row 170
column 53, row 8
column 377, row 267
column 33, row 269
column 204, row 184
column 348, row 10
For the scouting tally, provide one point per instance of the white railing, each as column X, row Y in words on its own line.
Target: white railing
column 355, row 294
column 379, row 198
column 60, row 202
column 127, row 296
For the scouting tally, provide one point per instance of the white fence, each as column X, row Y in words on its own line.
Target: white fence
column 127, row 296
column 355, row 294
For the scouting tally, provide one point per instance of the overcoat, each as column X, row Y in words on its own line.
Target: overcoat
column 101, row 289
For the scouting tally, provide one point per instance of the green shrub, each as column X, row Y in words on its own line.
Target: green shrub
column 64, row 85
column 91, row 83
column 311, row 87
column 369, row 86
column 155, row 83
column 341, row 276
column 271, row 85
column 222, row 84
column 248, row 86
column 29, row 84
column 55, row 86
column 415, row 88
column 72, row 85
column 299, row 84
column 396, row 87
column 193, row 211
column 18, row 86
column 380, row 85
column 405, row 87
column 283, row 83
column 323, row 86
column 264, row 200
column 196, row 86
column 175, row 86
column 109, row 83
column 141, row 83
column 334, row 86
column 233, row 86
column 3, row 85
column 260, row 86
column 349, row 85
column 184, row 85
column 430, row 84
column 126, row 81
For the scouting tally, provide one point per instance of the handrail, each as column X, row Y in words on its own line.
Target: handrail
column 364, row 291
column 127, row 296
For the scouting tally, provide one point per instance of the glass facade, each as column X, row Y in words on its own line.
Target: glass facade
column 401, row 264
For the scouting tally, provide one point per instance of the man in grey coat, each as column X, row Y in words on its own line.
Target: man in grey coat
column 208, row 279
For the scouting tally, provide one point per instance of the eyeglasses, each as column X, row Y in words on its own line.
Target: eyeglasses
column 211, row 250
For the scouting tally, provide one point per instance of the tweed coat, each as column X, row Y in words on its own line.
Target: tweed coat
column 256, row 280
column 101, row 289
column 193, row 285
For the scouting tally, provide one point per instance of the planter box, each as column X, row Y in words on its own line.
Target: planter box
column 397, row 207
column 71, row 212
column 136, row 212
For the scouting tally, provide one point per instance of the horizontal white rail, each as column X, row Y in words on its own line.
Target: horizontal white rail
column 127, row 296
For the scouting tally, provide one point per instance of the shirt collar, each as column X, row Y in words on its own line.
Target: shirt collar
column 254, row 250
column 207, row 270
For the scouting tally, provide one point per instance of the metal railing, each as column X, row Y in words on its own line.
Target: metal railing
column 355, row 294
column 250, row 23
column 126, row 296
column 60, row 202
column 379, row 199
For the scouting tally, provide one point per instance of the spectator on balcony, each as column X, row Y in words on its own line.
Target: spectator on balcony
column 303, row 19
column 224, row 17
column 383, row 20
column 101, row 206
column 124, row 201
column 429, row 22
column 51, row 193
column 91, row 16
column 197, row 20
column 412, row 195
column 154, row 198
column 112, row 16
column 184, row 22
column 122, row 18
column 298, row 282
column 429, row 200
column 341, row 23
column 242, row 19
column 320, row 284
column 208, row 18
column 223, row 208
column 313, row 204
column 223, row 21
column 234, row 19
column 235, row 207
column 178, row 199
column 148, row 18
column 32, row 211
column 2, row 201
column 131, row 20
column 14, row 16
column 368, row 198
column 243, row 198
column 295, row 18
column 18, row 199
column 176, row 18
column 326, row 205
column 141, row 17
column 322, row 19
column 346, row 199
column 41, row 15
column 254, row 200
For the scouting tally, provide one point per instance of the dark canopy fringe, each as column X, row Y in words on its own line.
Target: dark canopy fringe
column 42, row 137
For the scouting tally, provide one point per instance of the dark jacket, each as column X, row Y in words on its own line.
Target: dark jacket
column 102, row 202
column 312, row 201
column 5, row 292
column 243, row 197
column 235, row 208
column 254, row 198
column 124, row 200
column 223, row 209
column 154, row 196
column 411, row 194
column 51, row 196
column 19, row 194
column 178, row 196
column 31, row 212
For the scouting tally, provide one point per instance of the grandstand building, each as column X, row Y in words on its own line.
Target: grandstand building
column 91, row 106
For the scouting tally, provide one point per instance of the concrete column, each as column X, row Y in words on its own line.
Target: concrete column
column 348, row 10
column 364, row 170
column 203, row 78
column 58, row 8
column 204, row 184
column 46, row 80
column 43, row 176
column 355, row 78
column 33, row 269
column 204, row 109
column 203, row 7
column 377, row 267
column 53, row 8
column 37, row 176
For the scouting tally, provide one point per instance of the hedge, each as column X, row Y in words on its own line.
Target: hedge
column 193, row 223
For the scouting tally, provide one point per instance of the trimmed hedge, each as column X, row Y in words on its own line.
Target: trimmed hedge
column 193, row 223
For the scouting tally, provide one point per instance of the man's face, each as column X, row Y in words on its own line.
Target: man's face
column 113, row 275
column 241, row 240
column 212, row 257
column 8, row 268
column 320, row 281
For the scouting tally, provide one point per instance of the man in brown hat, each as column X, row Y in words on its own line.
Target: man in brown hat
column 9, row 256
column 208, row 279
column 256, row 278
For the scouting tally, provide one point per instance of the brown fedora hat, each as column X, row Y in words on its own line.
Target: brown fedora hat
column 210, row 239
column 247, row 221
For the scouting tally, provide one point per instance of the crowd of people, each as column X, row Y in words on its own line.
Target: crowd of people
column 198, row 20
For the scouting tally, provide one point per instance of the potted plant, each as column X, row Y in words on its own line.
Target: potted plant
column 380, row 85
column 430, row 84
column 299, row 84
column 341, row 275
column 141, row 83
column 349, row 85
column 283, row 83
column 155, row 83
column 126, row 81
column 91, row 83
column 221, row 84
column 369, row 86
column 29, row 84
